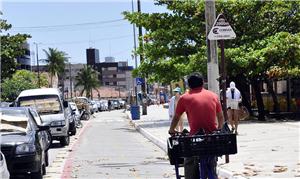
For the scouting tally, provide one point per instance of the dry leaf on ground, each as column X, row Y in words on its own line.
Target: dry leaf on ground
column 249, row 173
column 279, row 169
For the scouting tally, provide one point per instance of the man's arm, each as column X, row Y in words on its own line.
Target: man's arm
column 174, row 124
column 220, row 118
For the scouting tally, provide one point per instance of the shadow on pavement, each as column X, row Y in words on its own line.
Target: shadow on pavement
column 119, row 165
column 125, row 129
column 155, row 124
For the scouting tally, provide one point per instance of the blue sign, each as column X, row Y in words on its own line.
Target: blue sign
column 139, row 81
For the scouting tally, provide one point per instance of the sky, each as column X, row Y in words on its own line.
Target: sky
column 74, row 26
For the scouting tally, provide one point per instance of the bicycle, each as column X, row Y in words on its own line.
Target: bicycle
column 203, row 147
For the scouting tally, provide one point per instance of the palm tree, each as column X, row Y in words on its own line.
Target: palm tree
column 55, row 60
column 88, row 79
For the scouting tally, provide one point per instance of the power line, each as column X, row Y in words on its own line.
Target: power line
column 64, row 29
column 70, row 25
column 85, row 41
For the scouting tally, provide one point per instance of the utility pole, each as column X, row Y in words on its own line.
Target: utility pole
column 70, row 69
column 134, row 55
column 37, row 63
column 212, row 56
column 144, row 106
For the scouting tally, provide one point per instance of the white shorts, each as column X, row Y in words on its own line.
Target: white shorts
column 232, row 104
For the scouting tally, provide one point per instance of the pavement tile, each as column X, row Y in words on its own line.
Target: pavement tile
column 261, row 145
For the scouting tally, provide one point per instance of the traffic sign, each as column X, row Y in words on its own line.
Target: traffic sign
column 221, row 29
column 139, row 81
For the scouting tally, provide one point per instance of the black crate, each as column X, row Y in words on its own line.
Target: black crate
column 201, row 145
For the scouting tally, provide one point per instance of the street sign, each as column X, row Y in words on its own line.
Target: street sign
column 221, row 30
column 139, row 81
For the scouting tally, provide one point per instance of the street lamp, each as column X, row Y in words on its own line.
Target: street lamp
column 37, row 61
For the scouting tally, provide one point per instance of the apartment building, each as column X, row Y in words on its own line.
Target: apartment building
column 111, row 73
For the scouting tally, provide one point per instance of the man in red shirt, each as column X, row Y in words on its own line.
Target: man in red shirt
column 202, row 108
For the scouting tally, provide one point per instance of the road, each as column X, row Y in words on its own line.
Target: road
column 111, row 148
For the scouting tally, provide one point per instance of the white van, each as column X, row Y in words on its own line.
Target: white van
column 51, row 107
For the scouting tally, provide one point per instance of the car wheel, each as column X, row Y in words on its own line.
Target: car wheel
column 44, row 170
column 87, row 116
column 73, row 132
column 46, row 159
column 38, row 174
column 65, row 141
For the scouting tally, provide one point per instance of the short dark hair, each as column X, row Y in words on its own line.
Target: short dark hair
column 195, row 80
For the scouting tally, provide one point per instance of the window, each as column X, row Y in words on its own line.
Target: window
column 104, row 68
column 115, row 83
column 114, row 76
column 112, row 68
column 107, row 83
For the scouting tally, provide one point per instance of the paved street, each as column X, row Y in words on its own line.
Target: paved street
column 111, row 148
column 265, row 149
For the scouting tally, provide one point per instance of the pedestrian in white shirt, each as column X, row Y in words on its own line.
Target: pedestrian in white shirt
column 172, row 108
column 233, row 96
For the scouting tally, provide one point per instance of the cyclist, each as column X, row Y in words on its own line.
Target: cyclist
column 202, row 108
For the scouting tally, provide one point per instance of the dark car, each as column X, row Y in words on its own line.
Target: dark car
column 23, row 142
column 71, row 115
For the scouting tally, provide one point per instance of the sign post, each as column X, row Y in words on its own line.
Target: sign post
column 221, row 31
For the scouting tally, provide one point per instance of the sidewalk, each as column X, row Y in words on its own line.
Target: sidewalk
column 265, row 149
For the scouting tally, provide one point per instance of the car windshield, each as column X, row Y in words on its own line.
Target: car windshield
column 13, row 120
column 44, row 104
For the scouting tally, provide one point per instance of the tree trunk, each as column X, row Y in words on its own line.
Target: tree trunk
column 274, row 96
column 51, row 81
column 91, row 93
column 259, row 100
column 171, row 90
column 81, row 93
column 243, row 86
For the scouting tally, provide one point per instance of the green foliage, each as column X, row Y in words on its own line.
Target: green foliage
column 21, row 80
column 175, row 42
column 88, row 79
column 11, row 48
column 55, row 60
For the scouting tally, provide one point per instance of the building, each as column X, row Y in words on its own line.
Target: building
column 109, row 59
column 111, row 73
column 92, row 56
column 24, row 61
column 116, row 74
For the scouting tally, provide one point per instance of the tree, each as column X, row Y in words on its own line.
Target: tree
column 55, row 60
column 88, row 79
column 21, row 80
column 11, row 48
column 175, row 43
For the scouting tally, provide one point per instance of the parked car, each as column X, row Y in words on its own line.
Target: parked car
column 98, row 105
column 94, row 106
column 104, row 105
column 122, row 103
column 116, row 104
column 82, row 103
column 5, row 104
column 72, row 118
column 75, row 109
column 4, row 173
column 24, row 143
column 52, row 109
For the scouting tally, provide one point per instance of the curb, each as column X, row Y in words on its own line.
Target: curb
column 222, row 173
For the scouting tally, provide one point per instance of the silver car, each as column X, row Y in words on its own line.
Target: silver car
column 4, row 174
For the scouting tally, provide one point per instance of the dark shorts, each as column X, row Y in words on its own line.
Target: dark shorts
column 191, row 168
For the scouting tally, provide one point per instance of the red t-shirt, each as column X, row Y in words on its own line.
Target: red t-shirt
column 201, row 107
